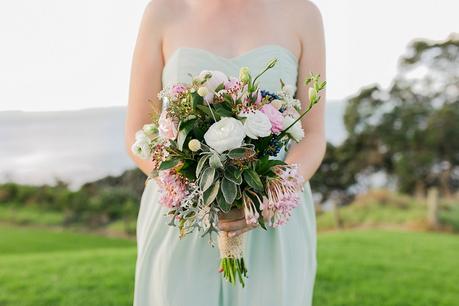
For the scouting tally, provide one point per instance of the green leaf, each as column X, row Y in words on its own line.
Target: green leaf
column 196, row 100
column 207, row 178
column 264, row 164
column 229, row 190
column 215, row 161
column 237, row 153
column 224, row 206
column 184, row 129
column 188, row 169
column 205, row 109
column 223, row 111
column 233, row 174
column 170, row 163
column 210, row 194
column 252, row 179
column 202, row 161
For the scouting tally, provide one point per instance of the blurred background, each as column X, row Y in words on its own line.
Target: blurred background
column 387, row 194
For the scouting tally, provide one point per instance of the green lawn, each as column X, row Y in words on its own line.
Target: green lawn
column 358, row 268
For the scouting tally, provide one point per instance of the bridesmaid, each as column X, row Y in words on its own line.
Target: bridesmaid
column 178, row 37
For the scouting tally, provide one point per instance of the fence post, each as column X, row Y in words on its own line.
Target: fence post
column 432, row 208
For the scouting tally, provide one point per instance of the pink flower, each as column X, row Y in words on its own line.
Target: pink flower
column 274, row 116
column 282, row 195
column 173, row 188
column 177, row 90
column 167, row 129
column 233, row 85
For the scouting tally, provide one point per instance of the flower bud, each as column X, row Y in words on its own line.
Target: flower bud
column 194, row 145
column 271, row 63
column 312, row 94
column 203, row 91
column 244, row 75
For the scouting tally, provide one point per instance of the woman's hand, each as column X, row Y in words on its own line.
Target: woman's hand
column 233, row 223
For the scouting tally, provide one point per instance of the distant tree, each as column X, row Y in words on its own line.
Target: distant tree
column 409, row 132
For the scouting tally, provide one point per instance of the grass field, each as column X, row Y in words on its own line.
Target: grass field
column 358, row 268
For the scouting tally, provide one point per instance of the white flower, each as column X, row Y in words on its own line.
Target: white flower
column 203, row 91
column 277, row 103
column 216, row 78
column 194, row 145
column 296, row 131
column 150, row 129
column 141, row 135
column 226, row 134
column 141, row 146
column 289, row 89
column 257, row 124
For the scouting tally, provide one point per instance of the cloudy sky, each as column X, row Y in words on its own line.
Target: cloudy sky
column 62, row 54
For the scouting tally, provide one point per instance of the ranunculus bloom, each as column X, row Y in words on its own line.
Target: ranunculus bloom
column 167, row 129
column 226, row 134
column 217, row 78
column 296, row 131
column 256, row 124
column 141, row 146
column 274, row 116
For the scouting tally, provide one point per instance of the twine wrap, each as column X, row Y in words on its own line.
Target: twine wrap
column 231, row 247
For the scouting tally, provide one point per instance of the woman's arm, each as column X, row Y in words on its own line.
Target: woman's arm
column 309, row 152
column 145, row 83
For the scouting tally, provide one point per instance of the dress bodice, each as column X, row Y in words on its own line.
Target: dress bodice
column 185, row 61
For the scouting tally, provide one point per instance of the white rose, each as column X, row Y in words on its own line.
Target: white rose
column 296, row 131
column 257, row 124
column 141, row 148
column 226, row 134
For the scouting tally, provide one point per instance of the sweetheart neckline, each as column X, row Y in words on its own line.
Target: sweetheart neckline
column 234, row 58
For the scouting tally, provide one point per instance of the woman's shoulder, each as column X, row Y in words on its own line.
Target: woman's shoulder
column 301, row 9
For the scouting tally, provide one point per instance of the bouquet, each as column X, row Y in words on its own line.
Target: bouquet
column 213, row 149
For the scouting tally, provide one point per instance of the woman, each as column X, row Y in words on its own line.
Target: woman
column 179, row 37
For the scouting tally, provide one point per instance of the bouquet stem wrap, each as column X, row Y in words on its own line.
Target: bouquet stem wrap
column 232, row 261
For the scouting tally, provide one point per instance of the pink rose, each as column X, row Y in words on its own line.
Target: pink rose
column 167, row 128
column 274, row 116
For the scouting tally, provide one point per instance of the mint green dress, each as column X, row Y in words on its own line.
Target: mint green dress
column 184, row 272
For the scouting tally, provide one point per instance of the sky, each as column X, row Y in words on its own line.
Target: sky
column 66, row 55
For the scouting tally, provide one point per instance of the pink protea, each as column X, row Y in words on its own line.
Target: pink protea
column 173, row 188
column 250, row 211
column 282, row 195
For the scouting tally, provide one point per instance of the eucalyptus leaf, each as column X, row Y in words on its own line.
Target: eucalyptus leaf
column 233, row 174
column 207, row 178
column 210, row 194
column 224, row 206
column 237, row 153
column 229, row 190
column 202, row 161
column 215, row 161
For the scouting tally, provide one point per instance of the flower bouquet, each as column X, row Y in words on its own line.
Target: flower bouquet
column 212, row 149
